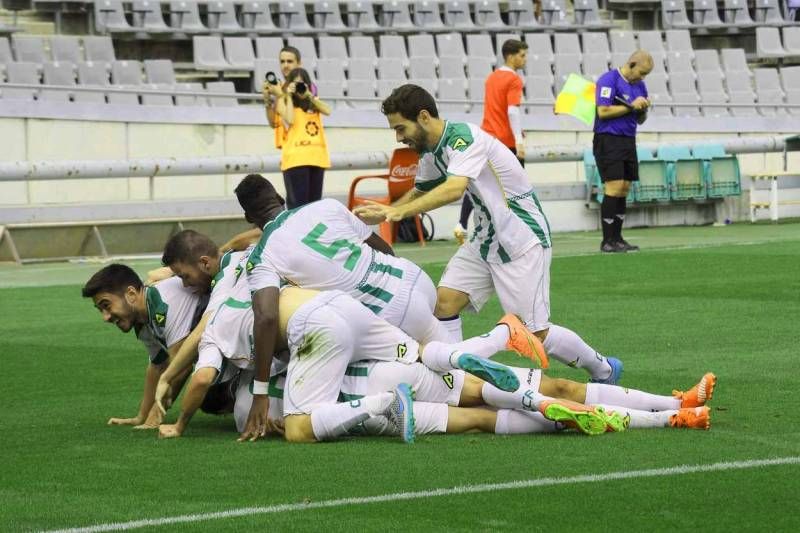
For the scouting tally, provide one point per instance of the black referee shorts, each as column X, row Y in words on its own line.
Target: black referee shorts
column 615, row 156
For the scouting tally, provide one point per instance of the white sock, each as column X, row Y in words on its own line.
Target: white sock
column 524, row 398
column 512, row 422
column 642, row 419
column 453, row 327
column 334, row 420
column 437, row 356
column 485, row 345
column 566, row 346
column 635, row 399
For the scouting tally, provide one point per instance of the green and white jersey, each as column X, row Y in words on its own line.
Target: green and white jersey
column 170, row 310
column 228, row 337
column 508, row 217
column 321, row 246
column 231, row 264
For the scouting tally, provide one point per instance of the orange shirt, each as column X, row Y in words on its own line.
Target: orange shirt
column 503, row 89
column 304, row 143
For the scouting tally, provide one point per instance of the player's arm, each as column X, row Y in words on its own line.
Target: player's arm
column 195, row 394
column 154, row 415
column 606, row 112
column 410, row 195
column 240, row 242
column 265, row 335
column 285, row 106
column 150, row 380
column 158, row 274
column 450, row 191
column 179, row 365
column 375, row 242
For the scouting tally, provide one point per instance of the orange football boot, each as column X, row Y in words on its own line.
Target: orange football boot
column 692, row 418
column 523, row 341
column 698, row 395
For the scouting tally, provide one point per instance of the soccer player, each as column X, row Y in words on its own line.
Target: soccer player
column 161, row 316
column 510, row 250
column 323, row 246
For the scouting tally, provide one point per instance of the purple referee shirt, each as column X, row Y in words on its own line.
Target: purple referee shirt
column 610, row 86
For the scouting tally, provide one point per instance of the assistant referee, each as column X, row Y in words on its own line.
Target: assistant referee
column 622, row 104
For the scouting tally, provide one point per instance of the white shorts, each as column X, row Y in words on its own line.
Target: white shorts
column 244, row 399
column 326, row 334
column 372, row 377
column 429, row 418
column 523, row 285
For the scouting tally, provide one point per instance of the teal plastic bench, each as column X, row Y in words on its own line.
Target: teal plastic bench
column 720, row 170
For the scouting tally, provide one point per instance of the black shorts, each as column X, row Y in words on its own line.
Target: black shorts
column 615, row 156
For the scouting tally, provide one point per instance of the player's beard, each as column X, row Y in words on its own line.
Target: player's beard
column 416, row 142
column 126, row 323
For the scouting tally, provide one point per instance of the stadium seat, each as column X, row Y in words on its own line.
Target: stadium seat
column 790, row 78
column 563, row 67
column 268, row 48
column 330, row 70
column 327, row 17
column 56, row 73
column 385, row 87
column 361, row 89
column 21, row 72
column 5, row 52
column 499, row 39
column 737, row 82
column 450, row 45
column 622, row 42
column 361, row 69
column 99, row 49
column 360, row 17
column 651, row 41
column 260, row 69
column 221, row 87
column 148, row 20
column 452, row 89
column 566, row 44
column 362, row 47
column 487, row 15
column 596, row 43
column 674, row 15
column 157, row 99
column 91, row 74
column 427, row 16
column 679, row 41
column 239, row 52
column 480, row 45
column 29, row 49
column 793, row 97
column 554, row 14
column 421, row 67
column 539, row 67
column 768, row 12
column 521, row 15
column 736, row 13
column 654, row 184
column 257, row 18
column 188, row 99
column 292, row 17
column 395, row 15
column 457, row 15
column 479, row 67
column 159, row 71
column 721, row 171
column 126, row 72
column 393, row 46
column 540, row 44
column 659, row 96
column 208, row 54
column 705, row 14
column 109, row 17
column 184, row 17
column 679, row 62
column 768, row 43
column 684, row 173
column 332, row 91
column 594, row 65
column 452, row 68
column 734, row 60
column 333, row 47
column 587, row 15
column 707, row 61
column 399, row 180
column 539, row 97
column 712, row 91
column 221, row 18
column 391, row 68
column 421, row 46
column 308, row 52
column 744, row 98
column 768, row 89
column 476, row 89
column 791, row 40
column 65, row 48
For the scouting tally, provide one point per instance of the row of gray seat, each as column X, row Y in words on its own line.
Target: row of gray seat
column 770, row 46
column 185, row 18
column 734, row 16
column 37, row 49
column 124, row 75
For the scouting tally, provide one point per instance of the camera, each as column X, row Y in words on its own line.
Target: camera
column 300, row 87
column 271, row 78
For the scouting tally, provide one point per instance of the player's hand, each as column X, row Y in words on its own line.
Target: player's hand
column 640, row 103
column 169, row 431
column 154, row 419
column 375, row 213
column 163, row 396
column 135, row 421
column 256, row 425
column 521, row 150
column 275, row 425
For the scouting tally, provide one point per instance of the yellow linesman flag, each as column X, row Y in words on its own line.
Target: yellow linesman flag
column 577, row 99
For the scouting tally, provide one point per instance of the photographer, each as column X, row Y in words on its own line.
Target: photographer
column 272, row 89
column 304, row 155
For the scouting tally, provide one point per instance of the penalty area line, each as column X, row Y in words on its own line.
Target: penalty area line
column 454, row 491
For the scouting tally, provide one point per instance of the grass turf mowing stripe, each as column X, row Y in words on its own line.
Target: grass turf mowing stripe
column 467, row 489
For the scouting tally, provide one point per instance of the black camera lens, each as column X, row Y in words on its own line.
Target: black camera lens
column 300, row 87
column 271, row 78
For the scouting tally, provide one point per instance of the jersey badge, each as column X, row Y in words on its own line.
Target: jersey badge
column 605, row 92
column 448, row 380
column 401, row 350
column 460, row 144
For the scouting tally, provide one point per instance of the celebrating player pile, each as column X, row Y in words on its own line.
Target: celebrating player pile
column 319, row 331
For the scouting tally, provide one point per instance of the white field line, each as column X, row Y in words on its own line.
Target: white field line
column 455, row 491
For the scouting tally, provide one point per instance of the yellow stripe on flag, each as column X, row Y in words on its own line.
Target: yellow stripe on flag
column 577, row 99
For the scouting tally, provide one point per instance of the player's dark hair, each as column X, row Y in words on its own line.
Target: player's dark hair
column 292, row 50
column 259, row 199
column 188, row 246
column 114, row 278
column 409, row 100
column 512, row 46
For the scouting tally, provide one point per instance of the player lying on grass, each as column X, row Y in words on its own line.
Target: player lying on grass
column 161, row 316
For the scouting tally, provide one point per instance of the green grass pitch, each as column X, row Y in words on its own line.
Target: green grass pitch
column 695, row 299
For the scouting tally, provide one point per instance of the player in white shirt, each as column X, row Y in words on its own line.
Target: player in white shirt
column 323, row 246
column 161, row 315
column 509, row 252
